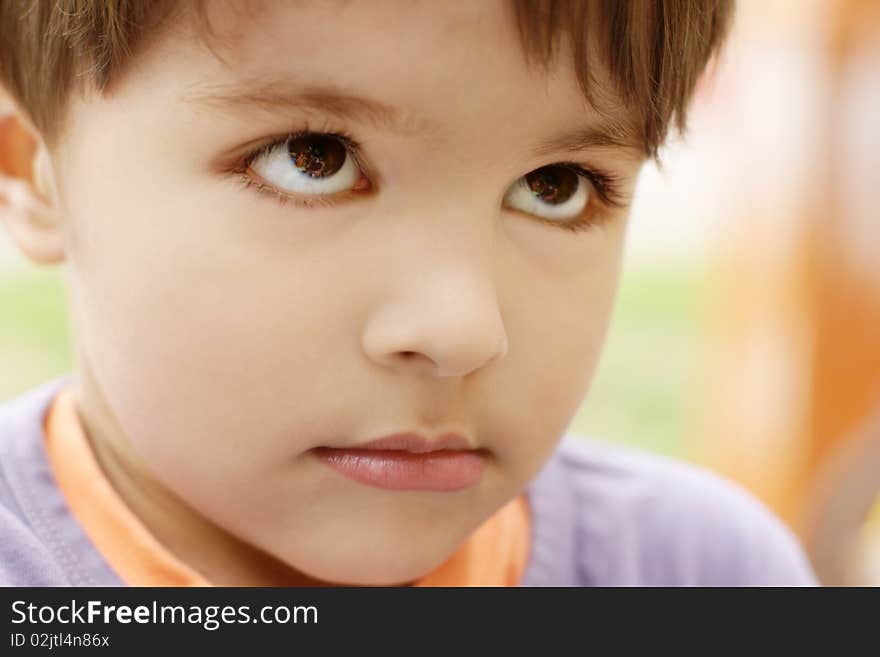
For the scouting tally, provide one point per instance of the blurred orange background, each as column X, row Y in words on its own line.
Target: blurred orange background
column 786, row 137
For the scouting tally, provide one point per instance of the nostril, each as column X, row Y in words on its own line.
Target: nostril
column 416, row 359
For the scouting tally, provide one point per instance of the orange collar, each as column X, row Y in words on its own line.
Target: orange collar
column 494, row 555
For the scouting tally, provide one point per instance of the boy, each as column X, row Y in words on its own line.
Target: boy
column 338, row 275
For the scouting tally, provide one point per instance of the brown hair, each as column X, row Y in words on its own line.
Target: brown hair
column 654, row 50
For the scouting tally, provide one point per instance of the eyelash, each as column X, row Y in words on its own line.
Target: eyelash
column 606, row 185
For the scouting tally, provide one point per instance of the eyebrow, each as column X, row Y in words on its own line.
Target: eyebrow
column 278, row 97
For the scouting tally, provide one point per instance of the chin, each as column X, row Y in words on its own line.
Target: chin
column 391, row 544
column 366, row 563
column 375, row 572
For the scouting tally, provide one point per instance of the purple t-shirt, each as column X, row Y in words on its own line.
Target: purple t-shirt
column 602, row 515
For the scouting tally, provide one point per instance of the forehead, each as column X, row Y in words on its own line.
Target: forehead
column 379, row 43
column 454, row 73
column 432, row 61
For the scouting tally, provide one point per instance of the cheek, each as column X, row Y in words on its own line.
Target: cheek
column 560, row 325
column 554, row 381
column 175, row 320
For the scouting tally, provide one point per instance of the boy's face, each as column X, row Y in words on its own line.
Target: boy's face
column 222, row 335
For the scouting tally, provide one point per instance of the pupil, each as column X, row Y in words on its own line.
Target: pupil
column 317, row 155
column 553, row 184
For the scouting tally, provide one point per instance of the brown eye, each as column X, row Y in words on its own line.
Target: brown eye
column 551, row 192
column 553, row 184
column 317, row 155
column 309, row 164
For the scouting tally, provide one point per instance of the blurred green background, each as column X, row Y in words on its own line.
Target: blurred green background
column 642, row 393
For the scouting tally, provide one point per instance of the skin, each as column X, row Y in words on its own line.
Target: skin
column 221, row 335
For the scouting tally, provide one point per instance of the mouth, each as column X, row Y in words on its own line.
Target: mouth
column 409, row 461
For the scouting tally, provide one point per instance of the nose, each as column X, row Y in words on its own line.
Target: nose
column 443, row 322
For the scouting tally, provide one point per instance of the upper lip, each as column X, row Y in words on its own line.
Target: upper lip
column 416, row 443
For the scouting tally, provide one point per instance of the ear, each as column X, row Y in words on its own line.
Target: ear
column 27, row 205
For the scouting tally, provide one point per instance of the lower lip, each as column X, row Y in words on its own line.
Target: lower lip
column 442, row 470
